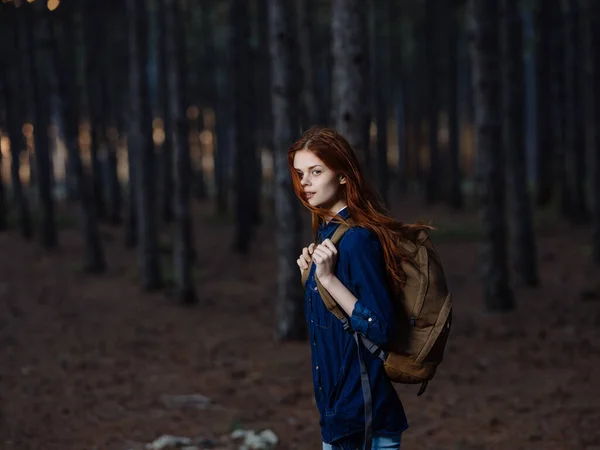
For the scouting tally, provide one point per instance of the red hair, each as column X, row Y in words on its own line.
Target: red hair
column 364, row 205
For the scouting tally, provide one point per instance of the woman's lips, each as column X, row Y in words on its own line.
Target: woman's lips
column 309, row 194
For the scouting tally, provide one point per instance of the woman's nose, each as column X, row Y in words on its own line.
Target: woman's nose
column 304, row 181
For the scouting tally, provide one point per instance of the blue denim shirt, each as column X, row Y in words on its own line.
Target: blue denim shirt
column 335, row 367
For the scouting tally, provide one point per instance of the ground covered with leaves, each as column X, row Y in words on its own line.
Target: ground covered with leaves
column 92, row 362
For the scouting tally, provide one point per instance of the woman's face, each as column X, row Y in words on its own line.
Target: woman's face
column 320, row 184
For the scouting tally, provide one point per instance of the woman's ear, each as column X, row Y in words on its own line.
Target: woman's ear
column 342, row 179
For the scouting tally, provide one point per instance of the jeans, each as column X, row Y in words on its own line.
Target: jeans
column 378, row 443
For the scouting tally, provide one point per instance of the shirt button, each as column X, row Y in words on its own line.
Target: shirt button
column 370, row 319
column 315, row 288
column 317, row 367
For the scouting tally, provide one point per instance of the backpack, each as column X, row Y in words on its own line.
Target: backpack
column 422, row 325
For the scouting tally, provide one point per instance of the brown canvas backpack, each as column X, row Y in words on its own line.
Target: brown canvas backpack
column 424, row 325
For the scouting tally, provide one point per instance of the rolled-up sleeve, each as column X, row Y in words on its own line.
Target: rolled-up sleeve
column 373, row 312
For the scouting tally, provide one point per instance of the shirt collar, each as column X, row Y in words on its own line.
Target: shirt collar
column 326, row 230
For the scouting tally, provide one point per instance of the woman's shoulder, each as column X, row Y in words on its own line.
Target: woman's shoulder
column 359, row 238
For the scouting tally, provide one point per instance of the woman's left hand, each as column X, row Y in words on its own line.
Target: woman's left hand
column 325, row 257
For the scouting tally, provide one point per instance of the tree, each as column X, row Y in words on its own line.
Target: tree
column 524, row 247
column 71, row 95
column 42, row 80
column 350, row 72
column 310, row 110
column 176, row 123
column 485, row 59
column 285, row 99
column 456, row 196
column 380, row 91
column 15, row 115
column 574, row 126
column 432, row 55
column 244, row 172
column 142, row 148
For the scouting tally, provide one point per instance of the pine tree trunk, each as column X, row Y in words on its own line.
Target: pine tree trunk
column 95, row 261
column 380, row 93
column 593, row 123
column 40, row 75
column 523, row 239
column 485, row 59
column 3, row 124
column 574, row 144
column 431, row 44
column 15, row 115
column 110, row 95
column 350, row 74
column 166, row 152
column 244, row 148
column 456, row 196
column 291, row 323
column 306, row 33
column 90, row 38
column 545, row 141
column 140, row 142
column 176, row 120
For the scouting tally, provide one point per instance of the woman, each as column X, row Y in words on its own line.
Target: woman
column 360, row 274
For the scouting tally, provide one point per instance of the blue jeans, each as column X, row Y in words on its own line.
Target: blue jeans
column 378, row 443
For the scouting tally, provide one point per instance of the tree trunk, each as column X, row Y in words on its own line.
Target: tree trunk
column 3, row 124
column 592, row 10
column 15, row 116
column 177, row 124
column 431, row 44
column 41, row 75
column 523, row 239
column 70, row 93
column 167, row 149
column 291, row 323
column 350, row 73
column 380, row 92
column 244, row 142
column 140, row 141
column 306, row 33
column 90, row 38
column 544, row 106
column 485, row 59
column 456, row 196
column 574, row 141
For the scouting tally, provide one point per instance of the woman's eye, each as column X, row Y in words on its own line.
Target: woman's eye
column 316, row 172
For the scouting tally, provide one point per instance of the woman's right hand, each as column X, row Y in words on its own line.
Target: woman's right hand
column 306, row 257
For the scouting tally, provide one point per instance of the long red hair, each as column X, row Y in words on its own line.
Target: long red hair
column 365, row 206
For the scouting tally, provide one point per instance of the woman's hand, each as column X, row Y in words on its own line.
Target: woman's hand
column 306, row 257
column 325, row 257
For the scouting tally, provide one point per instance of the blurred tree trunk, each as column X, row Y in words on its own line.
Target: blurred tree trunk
column 574, row 132
column 456, row 196
column 140, row 141
column 306, row 36
column 15, row 107
column 398, row 92
column 177, row 125
column 41, row 67
column 244, row 172
column 166, row 156
column 221, row 81
column 265, row 113
column 523, row 239
column 545, row 141
column 65, row 56
column 380, row 92
column 291, row 323
column 556, row 46
column 110, row 112
column 485, row 58
column 432, row 24
column 592, row 89
column 3, row 124
column 91, row 42
column 350, row 74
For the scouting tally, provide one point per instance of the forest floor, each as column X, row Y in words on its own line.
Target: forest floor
column 87, row 360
